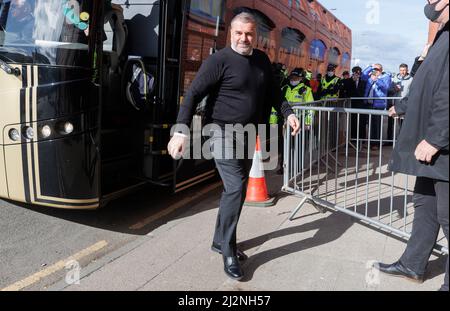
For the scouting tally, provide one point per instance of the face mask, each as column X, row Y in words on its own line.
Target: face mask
column 330, row 73
column 431, row 13
column 295, row 83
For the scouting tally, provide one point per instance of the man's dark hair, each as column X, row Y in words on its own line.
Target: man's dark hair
column 404, row 66
column 356, row 69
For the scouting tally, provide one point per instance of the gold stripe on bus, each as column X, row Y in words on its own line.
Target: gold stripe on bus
column 77, row 207
column 35, row 176
column 28, row 122
column 34, row 146
column 56, row 199
column 30, row 172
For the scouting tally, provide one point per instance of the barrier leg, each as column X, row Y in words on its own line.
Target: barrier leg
column 297, row 209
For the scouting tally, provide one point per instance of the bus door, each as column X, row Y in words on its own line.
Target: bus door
column 204, row 32
column 136, row 132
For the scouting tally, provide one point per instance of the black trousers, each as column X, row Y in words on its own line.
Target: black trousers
column 363, row 119
column 431, row 212
column 375, row 129
column 234, row 173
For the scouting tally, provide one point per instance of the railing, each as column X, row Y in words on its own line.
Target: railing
column 339, row 161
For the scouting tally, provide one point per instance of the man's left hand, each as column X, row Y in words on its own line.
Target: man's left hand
column 425, row 152
column 294, row 123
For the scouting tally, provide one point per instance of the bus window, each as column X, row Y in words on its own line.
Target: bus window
column 142, row 20
column 45, row 31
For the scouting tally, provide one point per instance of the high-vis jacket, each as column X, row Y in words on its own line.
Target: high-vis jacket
column 301, row 94
column 330, row 89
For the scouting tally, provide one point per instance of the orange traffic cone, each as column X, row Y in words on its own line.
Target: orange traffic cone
column 257, row 194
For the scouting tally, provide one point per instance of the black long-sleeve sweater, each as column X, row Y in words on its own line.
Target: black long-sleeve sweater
column 241, row 90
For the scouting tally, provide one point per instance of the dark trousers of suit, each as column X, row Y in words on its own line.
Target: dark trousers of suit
column 375, row 128
column 234, row 173
column 431, row 212
column 363, row 119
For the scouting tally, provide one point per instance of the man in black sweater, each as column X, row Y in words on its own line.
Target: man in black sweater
column 241, row 89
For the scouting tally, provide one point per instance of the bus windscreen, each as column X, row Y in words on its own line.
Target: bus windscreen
column 52, row 32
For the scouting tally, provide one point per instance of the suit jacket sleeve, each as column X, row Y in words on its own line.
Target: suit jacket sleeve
column 416, row 66
column 437, row 129
column 401, row 106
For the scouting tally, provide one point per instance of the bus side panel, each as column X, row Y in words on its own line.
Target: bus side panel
column 11, row 94
column 14, row 165
column 62, row 92
column 3, row 188
column 60, row 173
column 66, row 170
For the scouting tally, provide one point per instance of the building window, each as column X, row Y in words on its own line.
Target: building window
column 210, row 8
column 317, row 50
column 333, row 57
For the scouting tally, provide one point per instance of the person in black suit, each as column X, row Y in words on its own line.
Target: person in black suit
column 356, row 88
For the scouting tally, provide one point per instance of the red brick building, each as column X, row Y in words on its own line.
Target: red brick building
column 297, row 33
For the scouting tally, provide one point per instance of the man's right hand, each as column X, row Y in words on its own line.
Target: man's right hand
column 424, row 53
column 393, row 113
column 177, row 146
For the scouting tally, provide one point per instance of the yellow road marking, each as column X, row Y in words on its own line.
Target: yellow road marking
column 54, row 268
column 141, row 224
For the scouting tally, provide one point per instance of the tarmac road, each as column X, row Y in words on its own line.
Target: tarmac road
column 36, row 243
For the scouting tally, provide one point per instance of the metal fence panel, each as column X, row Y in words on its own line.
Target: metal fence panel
column 339, row 161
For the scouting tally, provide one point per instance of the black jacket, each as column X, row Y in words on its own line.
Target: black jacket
column 357, row 91
column 426, row 109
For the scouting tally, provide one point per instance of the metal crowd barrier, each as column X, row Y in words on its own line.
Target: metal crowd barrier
column 339, row 161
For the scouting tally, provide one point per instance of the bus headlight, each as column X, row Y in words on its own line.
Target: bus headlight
column 68, row 128
column 28, row 132
column 14, row 134
column 46, row 131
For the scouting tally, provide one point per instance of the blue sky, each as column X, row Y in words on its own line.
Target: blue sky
column 396, row 36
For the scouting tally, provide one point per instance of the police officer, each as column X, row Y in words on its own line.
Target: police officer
column 330, row 84
column 297, row 91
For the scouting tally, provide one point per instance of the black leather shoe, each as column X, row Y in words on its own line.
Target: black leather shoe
column 218, row 249
column 232, row 268
column 397, row 269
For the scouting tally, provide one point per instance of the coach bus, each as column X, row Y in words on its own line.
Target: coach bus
column 89, row 89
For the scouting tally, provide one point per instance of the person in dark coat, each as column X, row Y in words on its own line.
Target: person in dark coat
column 422, row 150
column 357, row 89
column 346, row 85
